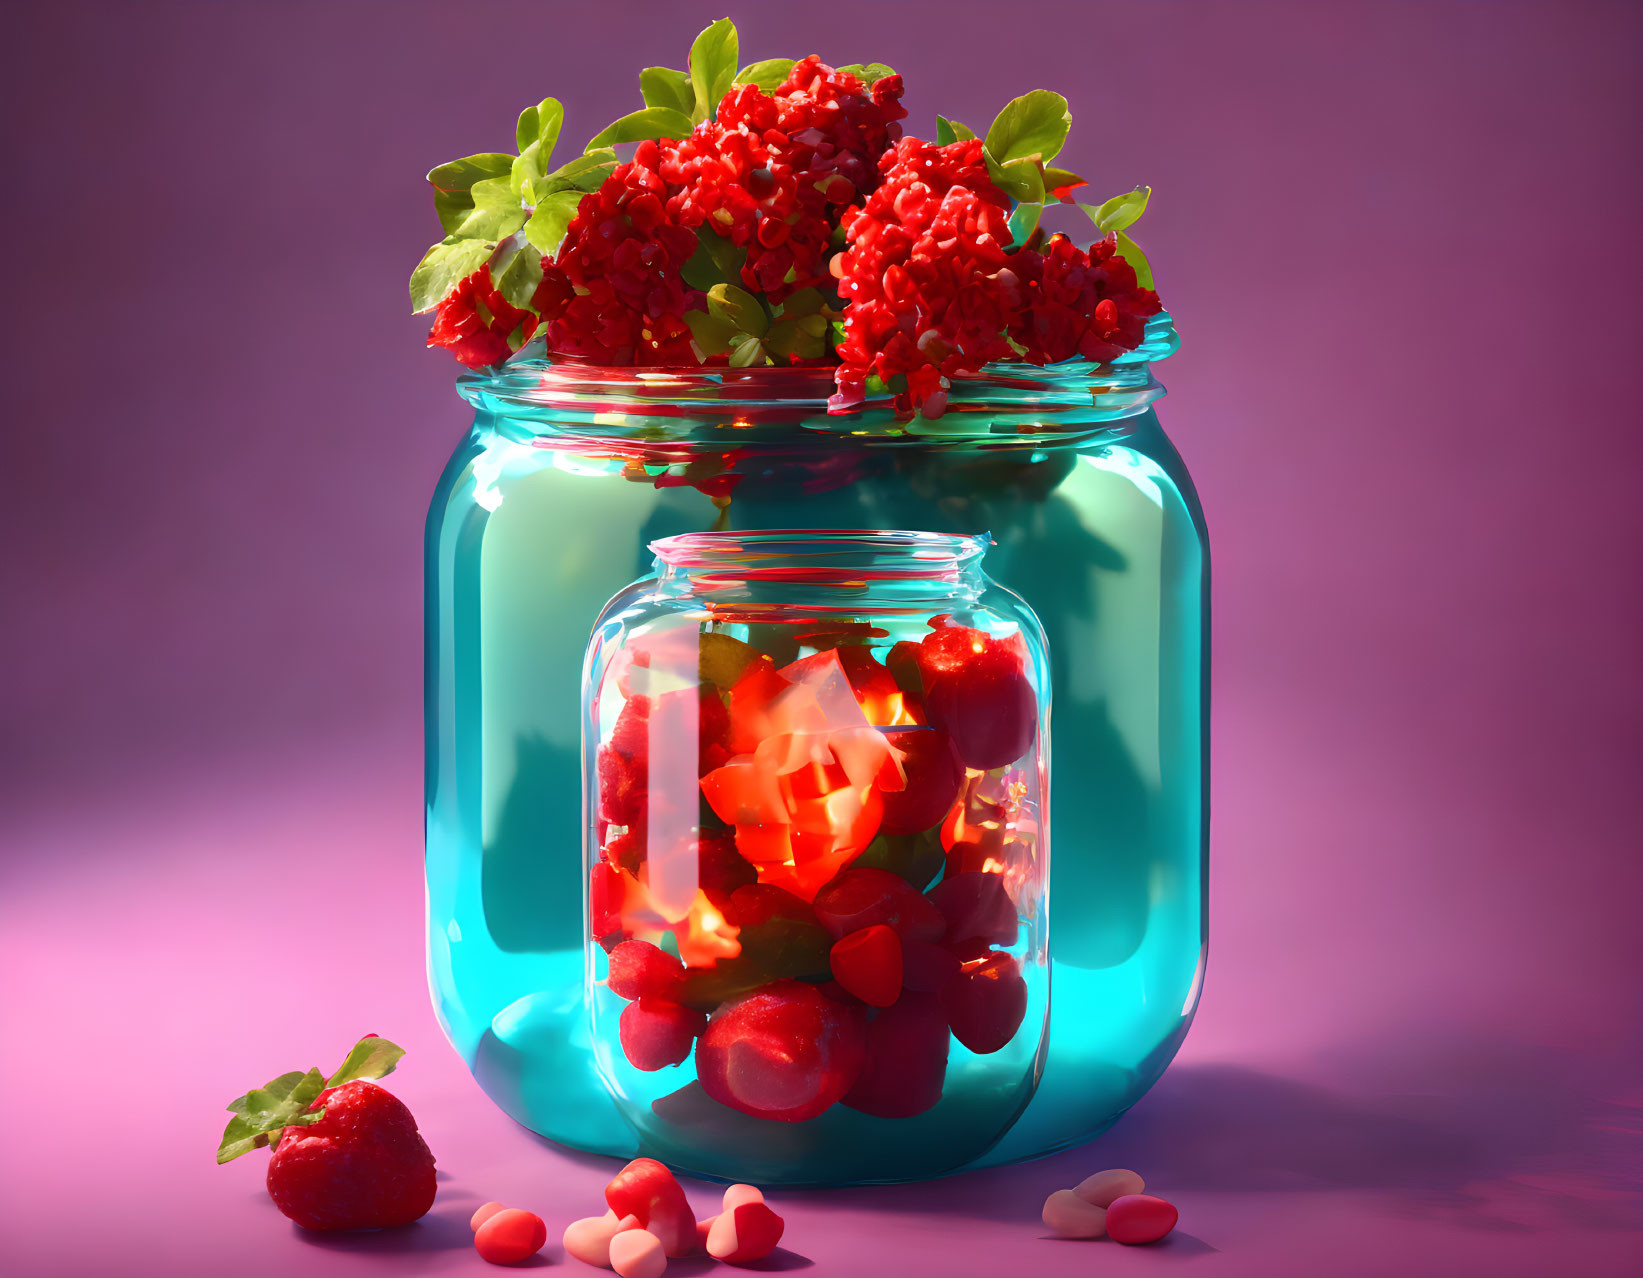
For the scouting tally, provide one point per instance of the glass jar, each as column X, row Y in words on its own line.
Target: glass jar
column 816, row 767
column 548, row 508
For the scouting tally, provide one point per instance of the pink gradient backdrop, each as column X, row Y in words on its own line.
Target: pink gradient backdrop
column 1402, row 244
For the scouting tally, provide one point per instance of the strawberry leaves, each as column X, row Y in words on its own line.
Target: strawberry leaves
column 264, row 1112
column 712, row 67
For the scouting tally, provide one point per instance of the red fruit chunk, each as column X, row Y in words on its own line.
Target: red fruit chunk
column 362, row 1166
column 656, row 1033
column 985, row 1002
column 622, row 781
column 639, row 969
column 1140, row 1218
column 868, row 964
column 510, row 1236
column 927, row 968
column 977, row 907
column 647, row 1191
column 935, row 775
column 720, row 869
column 482, row 1214
column 863, row 896
column 605, row 894
column 785, row 1052
column 761, row 903
column 977, row 690
column 743, row 1234
column 906, row 1060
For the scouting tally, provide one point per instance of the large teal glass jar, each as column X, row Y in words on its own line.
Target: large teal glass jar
column 548, row 509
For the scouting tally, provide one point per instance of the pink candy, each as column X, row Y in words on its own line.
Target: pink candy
column 589, row 1239
column 1111, row 1203
column 637, row 1253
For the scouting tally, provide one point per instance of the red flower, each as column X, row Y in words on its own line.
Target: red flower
column 614, row 293
column 477, row 323
column 926, row 280
column 1079, row 303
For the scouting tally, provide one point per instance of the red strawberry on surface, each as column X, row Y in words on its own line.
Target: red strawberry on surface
column 347, row 1153
column 362, row 1166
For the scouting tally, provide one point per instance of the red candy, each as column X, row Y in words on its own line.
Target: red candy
column 977, row 689
column 977, row 907
column 785, row 1052
column 927, row 968
column 656, row 1033
column 744, row 1233
column 647, row 1191
column 639, row 969
column 864, row 896
column 935, row 775
column 868, row 964
column 510, row 1236
column 985, row 1002
column 1140, row 1218
column 906, row 1060
column 482, row 1214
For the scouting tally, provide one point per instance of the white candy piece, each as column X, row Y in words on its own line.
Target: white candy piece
column 637, row 1253
column 1106, row 1187
column 1069, row 1216
column 589, row 1239
column 736, row 1195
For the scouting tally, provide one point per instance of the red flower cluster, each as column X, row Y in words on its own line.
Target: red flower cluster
column 926, row 280
column 614, row 293
column 1079, row 303
column 476, row 321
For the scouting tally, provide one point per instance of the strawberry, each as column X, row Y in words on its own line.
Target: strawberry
column 347, row 1153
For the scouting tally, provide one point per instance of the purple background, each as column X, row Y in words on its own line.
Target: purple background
column 1402, row 243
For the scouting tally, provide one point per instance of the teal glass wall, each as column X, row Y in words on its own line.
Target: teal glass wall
column 547, row 509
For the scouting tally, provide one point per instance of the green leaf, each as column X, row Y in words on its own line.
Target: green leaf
column 712, row 333
column 372, row 1057
column 652, row 122
column 715, row 261
column 547, row 226
column 442, row 267
column 950, row 131
column 1021, row 180
column 767, row 75
column 1024, row 221
column 802, row 333
column 869, row 72
column 713, row 67
column 740, row 307
column 1131, row 252
column 496, row 213
column 517, row 275
column 748, row 353
column 452, row 207
column 261, row 1115
column 584, row 173
column 1033, row 126
column 665, row 87
column 539, row 126
column 460, row 175
column 1059, row 179
column 1122, row 210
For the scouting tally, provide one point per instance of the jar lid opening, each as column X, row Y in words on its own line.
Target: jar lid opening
column 800, row 552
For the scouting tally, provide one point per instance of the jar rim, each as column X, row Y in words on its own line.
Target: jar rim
column 784, row 551
column 538, row 394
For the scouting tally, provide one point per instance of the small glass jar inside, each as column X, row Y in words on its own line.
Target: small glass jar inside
column 816, row 769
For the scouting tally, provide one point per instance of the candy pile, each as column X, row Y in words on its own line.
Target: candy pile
column 1109, row 1203
column 778, row 916
column 775, row 214
column 649, row 1220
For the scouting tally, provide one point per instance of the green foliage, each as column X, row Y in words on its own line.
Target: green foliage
column 1033, row 126
column 1024, row 221
column 1131, row 252
column 263, row 1113
column 516, row 272
column 665, row 87
column 442, row 267
column 868, row 73
column 1122, row 210
column 1021, row 180
column 715, row 261
column 767, row 75
column 460, row 175
column 547, row 226
column 1062, row 179
column 950, row 131
column 712, row 67
column 637, row 126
